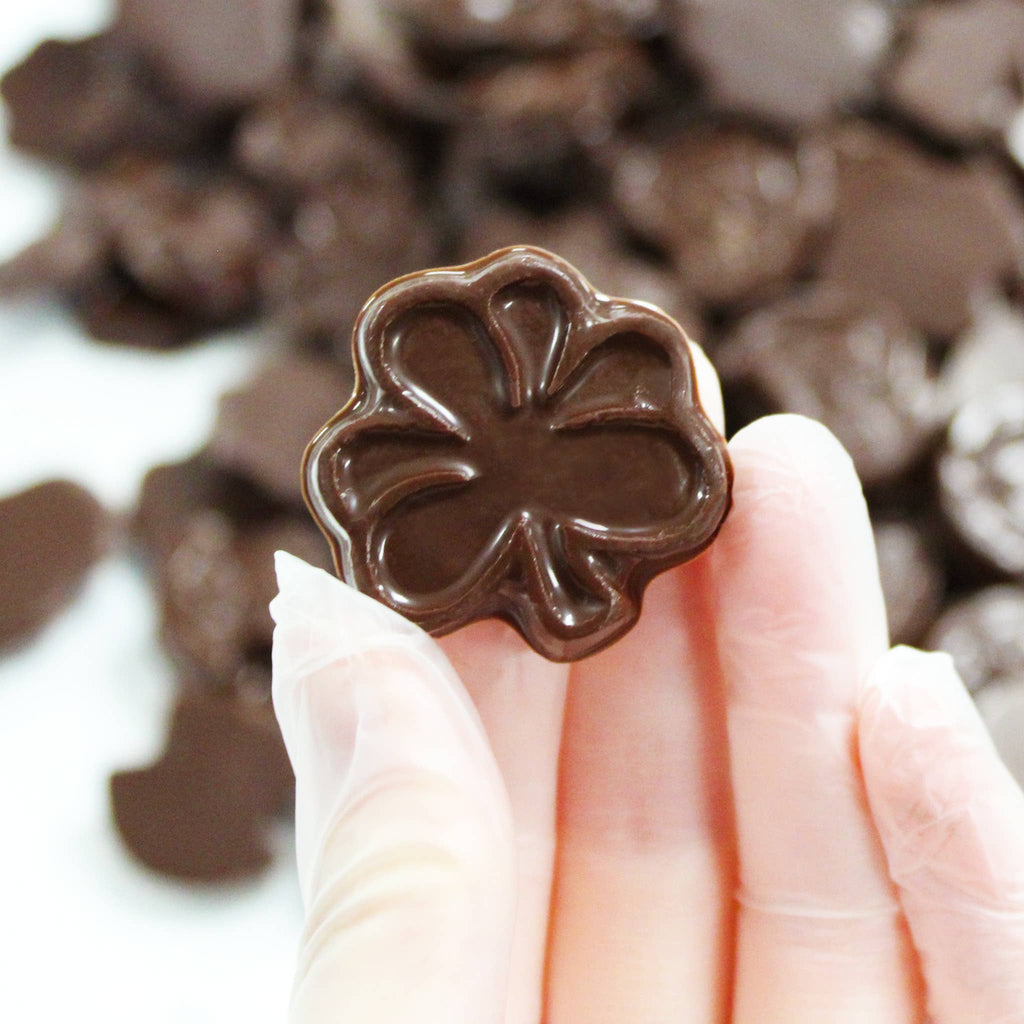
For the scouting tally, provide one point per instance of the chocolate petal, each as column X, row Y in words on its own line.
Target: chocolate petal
column 441, row 357
column 625, row 364
column 378, row 470
column 530, row 317
column 432, row 550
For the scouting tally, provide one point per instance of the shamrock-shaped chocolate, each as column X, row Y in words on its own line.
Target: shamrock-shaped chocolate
column 520, row 446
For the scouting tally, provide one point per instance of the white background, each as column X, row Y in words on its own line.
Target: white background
column 85, row 934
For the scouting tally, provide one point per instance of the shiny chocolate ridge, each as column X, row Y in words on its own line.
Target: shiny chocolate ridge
column 519, row 446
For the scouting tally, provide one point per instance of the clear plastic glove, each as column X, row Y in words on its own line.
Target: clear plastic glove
column 745, row 810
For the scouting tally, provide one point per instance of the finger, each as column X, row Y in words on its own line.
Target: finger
column 403, row 828
column 641, row 925
column 951, row 820
column 520, row 697
column 641, row 922
column 800, row 622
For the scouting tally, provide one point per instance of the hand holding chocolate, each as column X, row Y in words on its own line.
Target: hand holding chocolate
column 519, row 446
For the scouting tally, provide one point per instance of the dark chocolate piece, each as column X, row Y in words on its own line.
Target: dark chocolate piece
column 561, row 100
column 736, row 211
column 518, row 446
column 528, row 126
column 263, row 428
column 214, row 52
column 297, row 140
column 188, row 240
column 361, row 42
column 584, row 237
column 984, row 633
column 152, row 253
column 343, row 241
column 88, row 100
column 112, row 308
column 523, row 25
column 50, row 536
column 215, row 586
column 989, row 353
column 912, row 578
column 927, row 233
column 981, row 477
column 960, row 69
column 787, row 60
column 171, row 496
column 201, row 812
column 849, row 361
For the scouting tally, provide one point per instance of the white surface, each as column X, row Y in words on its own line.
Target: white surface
column 86, row 935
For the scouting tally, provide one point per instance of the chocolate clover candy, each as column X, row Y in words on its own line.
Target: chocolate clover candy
column 519, row 446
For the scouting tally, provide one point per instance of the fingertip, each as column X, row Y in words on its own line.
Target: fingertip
column 911, row 706
column 951, row 821
column 795, row 565
column 944, row 803
column 797, row 444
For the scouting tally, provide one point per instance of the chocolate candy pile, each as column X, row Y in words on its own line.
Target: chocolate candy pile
column 836, row 216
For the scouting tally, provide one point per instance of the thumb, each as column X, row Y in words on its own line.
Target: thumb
column 403, row 828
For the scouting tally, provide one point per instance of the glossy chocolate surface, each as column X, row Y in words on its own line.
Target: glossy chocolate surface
column 518, row 446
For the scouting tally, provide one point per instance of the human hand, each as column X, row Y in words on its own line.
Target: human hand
column 744, row 810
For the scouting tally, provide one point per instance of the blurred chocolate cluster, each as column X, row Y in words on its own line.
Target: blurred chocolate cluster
column 826, row 195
